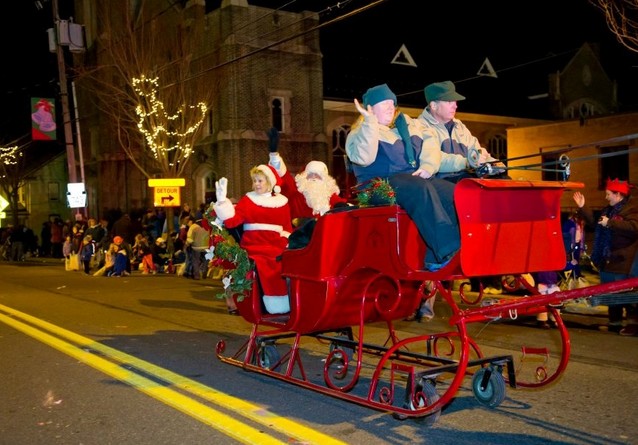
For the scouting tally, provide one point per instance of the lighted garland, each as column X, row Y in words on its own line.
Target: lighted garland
column 376, row 192
column 226, row 254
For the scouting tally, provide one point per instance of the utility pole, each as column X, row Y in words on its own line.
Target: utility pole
column 64, row 98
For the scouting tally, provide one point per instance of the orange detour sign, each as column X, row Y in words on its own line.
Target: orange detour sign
column 167, row 196
column 166, row 191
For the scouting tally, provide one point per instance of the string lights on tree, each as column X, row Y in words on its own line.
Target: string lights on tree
column 161, row 130
column 10, row 155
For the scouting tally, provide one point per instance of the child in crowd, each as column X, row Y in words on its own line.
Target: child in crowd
column 125, row 250
column 159, row 254
column 87, row 250
column 67, row 247
column 109, row 261
column 143, row 253
column 70, row 256
column 120, row 263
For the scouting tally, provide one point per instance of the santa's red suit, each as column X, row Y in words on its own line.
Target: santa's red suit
column 266, row 223
column 307, row 198
column 299, row 207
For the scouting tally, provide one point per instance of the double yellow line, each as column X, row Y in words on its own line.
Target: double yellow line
column 79, row 347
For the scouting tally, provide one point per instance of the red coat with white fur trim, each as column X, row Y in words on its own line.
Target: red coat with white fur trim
column 299, row 207
column 266, row 222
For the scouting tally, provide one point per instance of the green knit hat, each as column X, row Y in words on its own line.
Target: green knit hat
column 378, row 94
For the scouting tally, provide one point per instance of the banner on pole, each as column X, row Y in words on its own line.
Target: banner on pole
column 43, row 119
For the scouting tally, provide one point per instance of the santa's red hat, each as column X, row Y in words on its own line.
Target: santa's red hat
column 617, row 186
column 273, row 178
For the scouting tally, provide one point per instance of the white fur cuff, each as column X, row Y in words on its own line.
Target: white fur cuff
column 224, row 209
column 277, row 304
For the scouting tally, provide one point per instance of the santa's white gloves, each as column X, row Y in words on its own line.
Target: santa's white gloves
column 221, row 189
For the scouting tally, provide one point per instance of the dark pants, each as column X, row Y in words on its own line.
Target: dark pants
column 430, row 204
column 198, row 263
column 87, row 265
column 616, row 310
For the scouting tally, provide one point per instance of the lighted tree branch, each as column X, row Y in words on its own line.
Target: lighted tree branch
column 165, row 135
column 145, row 86
column 622, row 19
column 13, row 173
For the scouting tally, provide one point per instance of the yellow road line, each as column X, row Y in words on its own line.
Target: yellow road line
column 209, row 416
column 241, row 407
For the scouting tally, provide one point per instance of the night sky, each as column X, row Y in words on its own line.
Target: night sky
column 453, row 39
column 450, row 41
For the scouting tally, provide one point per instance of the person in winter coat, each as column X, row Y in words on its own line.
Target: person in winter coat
column 386, row 144
column 109, row 261
column 615, row 247
column 87, row 250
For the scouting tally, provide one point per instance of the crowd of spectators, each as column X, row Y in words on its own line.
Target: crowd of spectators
column 143, row 236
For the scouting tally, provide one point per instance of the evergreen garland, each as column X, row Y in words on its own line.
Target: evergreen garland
column 376, row 192
column 226, row 254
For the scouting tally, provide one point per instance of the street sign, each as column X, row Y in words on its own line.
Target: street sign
column 167, row 182
column 3, row 203
column 76, row 195
column 167, row 196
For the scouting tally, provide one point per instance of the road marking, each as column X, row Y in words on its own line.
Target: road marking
column 199, row 411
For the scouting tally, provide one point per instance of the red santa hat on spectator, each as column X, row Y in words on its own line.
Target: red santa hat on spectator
column 273, row 178
column 618, row 186
column 318, row 168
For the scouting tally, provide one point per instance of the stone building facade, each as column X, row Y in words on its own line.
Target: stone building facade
column 265, row 70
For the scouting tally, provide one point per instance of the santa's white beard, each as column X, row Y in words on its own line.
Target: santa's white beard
column 317, row 194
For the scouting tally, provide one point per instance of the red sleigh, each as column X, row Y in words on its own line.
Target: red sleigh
column 364, row 267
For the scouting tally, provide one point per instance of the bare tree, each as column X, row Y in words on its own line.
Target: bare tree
column 13, row 173
column 140, row 71
column 622, row 19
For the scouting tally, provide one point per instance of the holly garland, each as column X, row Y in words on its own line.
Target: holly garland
column 226, row 254
column 375, row 192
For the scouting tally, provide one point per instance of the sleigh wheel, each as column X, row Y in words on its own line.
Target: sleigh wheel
column 488, row 387
column 268, row 357
column 335, row 346
column 424, row 395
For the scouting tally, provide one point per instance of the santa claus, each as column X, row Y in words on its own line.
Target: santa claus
column 265, row 216
column 310, row 193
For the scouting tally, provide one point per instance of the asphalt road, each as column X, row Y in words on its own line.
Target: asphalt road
column 96, row 360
